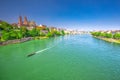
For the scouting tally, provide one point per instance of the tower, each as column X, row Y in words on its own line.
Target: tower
column 20, row 21
column 25, row 21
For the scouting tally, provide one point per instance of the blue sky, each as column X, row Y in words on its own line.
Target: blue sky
column 72, row 14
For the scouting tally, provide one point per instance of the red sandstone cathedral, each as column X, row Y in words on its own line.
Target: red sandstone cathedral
column 28, row 24
column 25, row 22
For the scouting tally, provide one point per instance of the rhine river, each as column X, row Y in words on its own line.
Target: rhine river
column 73, row 57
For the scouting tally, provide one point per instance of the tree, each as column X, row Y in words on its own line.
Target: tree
column 19, row 35
column 34, row 32
column 63, row 33
column 23, row 31
column 96, row 33
column 57, row 33
column 49, row 34
column 5, row 26
column 102, row 34
column 48, row 29
column 108, row 35
column 5, row 36
column 116, row 36
column 13, row 34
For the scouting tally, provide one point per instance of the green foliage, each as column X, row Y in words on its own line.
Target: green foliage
column 96, row 33
column 102, row 34
column 49, row 34
column 57, row 33
column 19, row 35
column 108, row 35
column 116, row 36
column 42, row 34
column 32, row 33
column 8, row 32
column 23, row 31
column 5, row 26
column 63, row 33
column 13, row 34
column 48, row 29
column 5, row 36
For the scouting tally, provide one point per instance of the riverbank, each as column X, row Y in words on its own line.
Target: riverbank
column 20, row 40
column 108, row 39
column 16, row 41
column 37, row 38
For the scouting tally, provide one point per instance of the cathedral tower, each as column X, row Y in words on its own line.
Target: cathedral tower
column 25, row 21
column 20, row 23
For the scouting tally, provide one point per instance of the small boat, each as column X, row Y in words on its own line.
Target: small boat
column 31, row 54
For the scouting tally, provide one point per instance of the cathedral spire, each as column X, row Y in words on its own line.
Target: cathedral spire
column 25, row 21
column 20, row 23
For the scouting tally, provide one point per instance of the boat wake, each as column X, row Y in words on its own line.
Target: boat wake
column 41, row 50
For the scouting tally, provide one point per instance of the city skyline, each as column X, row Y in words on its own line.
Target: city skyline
column 77, row 14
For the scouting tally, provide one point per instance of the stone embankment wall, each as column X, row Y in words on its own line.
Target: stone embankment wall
column 16, row 41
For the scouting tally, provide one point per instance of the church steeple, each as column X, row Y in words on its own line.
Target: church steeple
column 20, row 23
column 25, row 21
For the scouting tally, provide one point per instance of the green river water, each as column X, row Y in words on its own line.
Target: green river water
column 72, row 57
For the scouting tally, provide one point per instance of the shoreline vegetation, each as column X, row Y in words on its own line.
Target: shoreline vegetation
column 107, row 36
column 108, row 39
column 10, row 34
column 18, row 33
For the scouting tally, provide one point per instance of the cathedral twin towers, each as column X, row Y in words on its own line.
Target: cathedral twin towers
column 25, row 22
